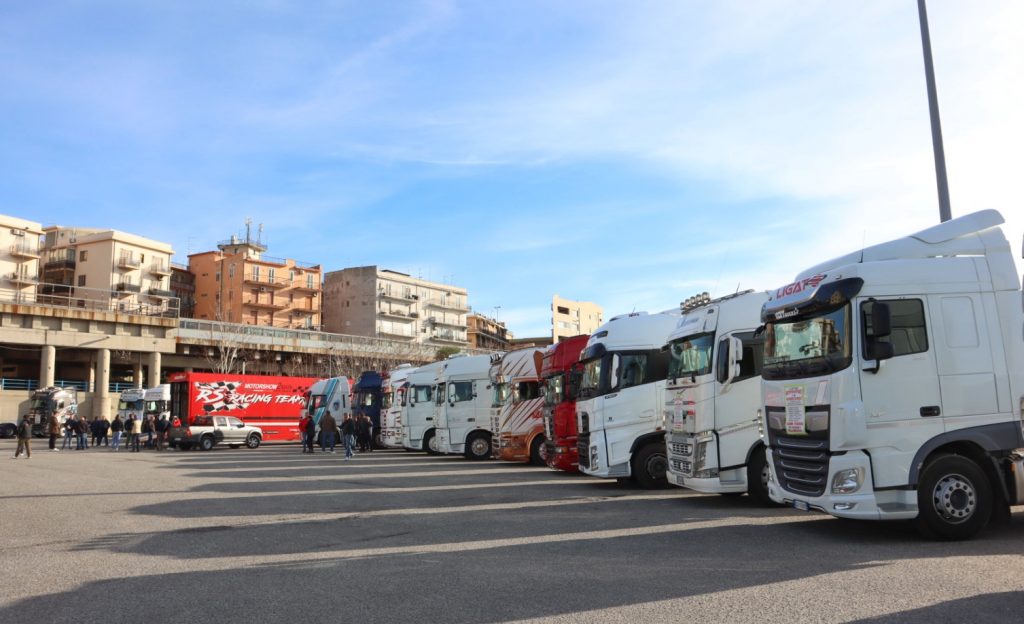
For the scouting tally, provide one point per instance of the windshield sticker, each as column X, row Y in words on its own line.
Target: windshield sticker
column 822, row 389
column 795, row 410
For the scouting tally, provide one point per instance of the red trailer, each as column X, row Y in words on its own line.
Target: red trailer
column 560, row 402
column 271, row 403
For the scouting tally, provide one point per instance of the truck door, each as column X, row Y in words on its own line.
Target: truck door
column 736, row 403
column 630, row 408
column 902, row 403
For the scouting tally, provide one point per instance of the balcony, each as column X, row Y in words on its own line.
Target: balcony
column 127, row 288
column 306, row 287
column 25, row 250
column 128, row 261
column 263, row 303
column 444, row 323
column 22, row 279
column 391, row 333
column 397, row 314
column 448, row 337
column 160, row 269
column 446, row 304
column 386, row 294
column 264, row 280
column 161, row 293
column 304, row 311
column 61, row 260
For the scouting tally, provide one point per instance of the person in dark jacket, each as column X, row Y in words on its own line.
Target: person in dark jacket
column 329, row 431
column 116, row 427
column 24, row 438
column 102, row 430
column 347, row 431
column 82, row 429
column 53, row 428
column 360, row 426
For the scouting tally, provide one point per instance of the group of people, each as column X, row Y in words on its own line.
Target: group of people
column 352, row 432
column 79, row 434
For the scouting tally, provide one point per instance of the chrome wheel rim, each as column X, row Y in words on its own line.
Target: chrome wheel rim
column 479, row 447
column 954, row 498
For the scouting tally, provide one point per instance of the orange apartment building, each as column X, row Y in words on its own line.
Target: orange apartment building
column 239, row 284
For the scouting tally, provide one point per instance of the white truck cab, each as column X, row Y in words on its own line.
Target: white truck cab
column 619, row 410
column 462, row 401
column 893, row 381
column 418, row 431
column 393, row 402
column 713, row 397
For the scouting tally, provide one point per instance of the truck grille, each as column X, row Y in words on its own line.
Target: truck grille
column 680, row 448
column 801, row 464
column 583, row 446
column 681, row 466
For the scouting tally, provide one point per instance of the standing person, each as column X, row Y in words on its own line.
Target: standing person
column 82, row 428
column 24, row 438
column 369, row 432
column 360, row 427
column 147, row 428
column 69, row 432
column 53, row 428
column 347, row 429
column 94, row 431
column 309, row 434
column 103, row 429
column 116, row 427
column 302, row 429
column 136, row 433
column 328, row 429
column 161, row 431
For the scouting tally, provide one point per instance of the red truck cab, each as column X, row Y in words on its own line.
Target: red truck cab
column 558, row 371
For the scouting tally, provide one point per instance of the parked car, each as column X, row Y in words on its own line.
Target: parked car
column 8, row 430
column 205, row 432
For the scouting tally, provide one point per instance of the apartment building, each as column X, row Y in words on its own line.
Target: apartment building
column 106, row 269
column 371, row 301
column 573, row 318
column 484, row 332
column 19, row 258
column 183, row 285
column 239, row 283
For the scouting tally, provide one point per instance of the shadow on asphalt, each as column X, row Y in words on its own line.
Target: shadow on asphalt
column 1001, row 607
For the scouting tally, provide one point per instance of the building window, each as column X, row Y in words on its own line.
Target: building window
column 231, row 271
column 216, row 276
column 291, row 276
column 255, row 273
column 271, row 273
column 309, row 281
column 81, row 279
column 83, row 256
column 562, row 310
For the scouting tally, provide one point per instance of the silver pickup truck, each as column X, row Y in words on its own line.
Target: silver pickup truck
column 205, row 432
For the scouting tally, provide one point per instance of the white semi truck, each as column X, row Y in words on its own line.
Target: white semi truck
column 462, row 401
column 418, row 431
column 893, row 381
column 393, row 401
column 132, row 402
column 622, row 396
column 713, row 397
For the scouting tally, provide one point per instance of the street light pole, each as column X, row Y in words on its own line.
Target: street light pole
column 945, row 214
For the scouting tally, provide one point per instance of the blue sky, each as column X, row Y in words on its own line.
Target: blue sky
column 630, row 154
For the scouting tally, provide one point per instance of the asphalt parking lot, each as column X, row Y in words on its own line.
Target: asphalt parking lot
column 273, row 535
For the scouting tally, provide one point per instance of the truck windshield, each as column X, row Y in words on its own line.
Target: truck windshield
column 554, row 389
column 808, row 346
column 500, row 394
column 386, row 400
column 129, row 405
column 690, row 356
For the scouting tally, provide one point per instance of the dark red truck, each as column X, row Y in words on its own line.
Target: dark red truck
column 560, row 378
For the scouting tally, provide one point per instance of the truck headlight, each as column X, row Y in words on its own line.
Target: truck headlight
column 594, row 464
column 847, row 481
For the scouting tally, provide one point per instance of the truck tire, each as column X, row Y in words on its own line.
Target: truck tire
column 478, row 447
column 954, row 498
column 757, row 478
column 206, row 443
column 649, row 466
column 430, row 443
column 538, row 452
column 253, row 441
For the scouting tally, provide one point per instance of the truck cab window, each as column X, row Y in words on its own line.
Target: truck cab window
column 909, row 334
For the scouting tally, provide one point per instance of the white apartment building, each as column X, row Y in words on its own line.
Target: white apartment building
column 371, row 301
column 19, row 258
column 574, row 318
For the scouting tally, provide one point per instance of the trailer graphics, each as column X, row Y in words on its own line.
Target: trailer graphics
column 516, row 412
column 561, row 372
column 274, row 404
column 893, row 381
column 713, row 397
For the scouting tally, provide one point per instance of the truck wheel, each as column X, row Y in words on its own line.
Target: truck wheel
column 253, row 441
column 649, row 466
column 954, row 498
column 206, row 443
column 538, row 452
column 430, row 443
column 478, row 446
column 757, row 477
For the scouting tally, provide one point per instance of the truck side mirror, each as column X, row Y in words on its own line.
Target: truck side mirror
column 881, row 320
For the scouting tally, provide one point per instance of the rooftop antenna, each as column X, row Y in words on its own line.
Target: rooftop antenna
column 248, row 227
column 259, row 235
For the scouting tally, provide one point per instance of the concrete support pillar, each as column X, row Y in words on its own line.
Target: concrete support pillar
column 47, row 366
column 101, row 394
column 92, row 375
column 137, row 379
column 153, row 379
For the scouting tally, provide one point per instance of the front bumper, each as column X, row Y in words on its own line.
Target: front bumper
column 562, row 454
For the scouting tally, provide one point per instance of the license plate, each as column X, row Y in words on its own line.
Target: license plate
column 801, row 505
